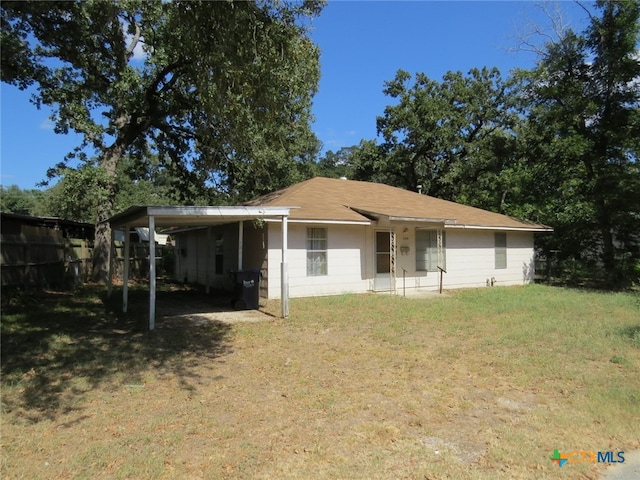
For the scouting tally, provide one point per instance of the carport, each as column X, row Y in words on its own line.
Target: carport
column 172, row 216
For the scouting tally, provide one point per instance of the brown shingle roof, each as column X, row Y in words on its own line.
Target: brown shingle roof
column 329, row 199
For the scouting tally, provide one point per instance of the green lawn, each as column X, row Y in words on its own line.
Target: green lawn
column 479, row 383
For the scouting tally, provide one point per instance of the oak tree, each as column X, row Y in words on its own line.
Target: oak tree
column 580, row 138
column 219, row 91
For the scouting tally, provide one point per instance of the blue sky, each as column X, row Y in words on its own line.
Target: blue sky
column 363, row 44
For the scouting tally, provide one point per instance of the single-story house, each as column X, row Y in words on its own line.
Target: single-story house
column 349, row 236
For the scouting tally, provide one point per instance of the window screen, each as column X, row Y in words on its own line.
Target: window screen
column 501, row 249
column 427, row 251
column 316, row 251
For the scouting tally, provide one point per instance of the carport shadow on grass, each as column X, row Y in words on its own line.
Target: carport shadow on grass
column 58, row 346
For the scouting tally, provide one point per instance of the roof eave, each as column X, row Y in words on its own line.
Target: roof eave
column 399, row 218
column 440, row 221
column 537, row 228
column 323, row 221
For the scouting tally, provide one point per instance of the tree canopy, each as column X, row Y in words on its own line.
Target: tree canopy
column 580, row 136
column 447, row 137
column 220, row 92
column 24, row 202
column 557, row 144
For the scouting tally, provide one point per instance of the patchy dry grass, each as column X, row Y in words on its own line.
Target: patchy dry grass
column 480, row 384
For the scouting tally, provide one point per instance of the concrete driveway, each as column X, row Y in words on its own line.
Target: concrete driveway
column 629, row 470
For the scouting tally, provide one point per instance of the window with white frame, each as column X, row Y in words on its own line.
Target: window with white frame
column 501, row 249
column 316, row 252
column 430, row 250
column 219, row 254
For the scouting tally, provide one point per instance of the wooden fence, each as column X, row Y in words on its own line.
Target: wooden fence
column 42, row 258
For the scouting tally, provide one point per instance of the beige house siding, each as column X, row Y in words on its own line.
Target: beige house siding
column 470, row 260
column 346, row 261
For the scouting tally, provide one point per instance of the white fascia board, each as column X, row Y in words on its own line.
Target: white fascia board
column 516, row 229
column 329, row 222
column 178, row 216
column 445, row 221
column 234, row 211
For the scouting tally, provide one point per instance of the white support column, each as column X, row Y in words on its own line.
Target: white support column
column 240, row 242
column 207, row 250
column 284, row 271
column 125, row 268
column 152, row 272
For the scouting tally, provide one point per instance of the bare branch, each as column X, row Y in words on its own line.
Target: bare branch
column 586, row 10
column 555, row 17
column 134, row 40
column 534, row 37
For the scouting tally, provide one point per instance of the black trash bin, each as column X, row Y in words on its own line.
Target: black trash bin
column 247, row 289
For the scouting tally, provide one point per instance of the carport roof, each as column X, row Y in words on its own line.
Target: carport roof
column 138, row 216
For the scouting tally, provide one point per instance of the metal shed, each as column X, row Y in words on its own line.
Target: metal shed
column 191, row 216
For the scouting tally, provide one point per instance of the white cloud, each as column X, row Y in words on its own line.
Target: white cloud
column 47, row 124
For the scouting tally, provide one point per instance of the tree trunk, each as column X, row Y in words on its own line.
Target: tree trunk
column 606, row 231
column 608, row 253
column 503, row 199
column 102, row 241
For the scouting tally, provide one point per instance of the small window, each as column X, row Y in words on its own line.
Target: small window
column 219, row 253
column 316, row 252
column 501, row 249
column 427, row 251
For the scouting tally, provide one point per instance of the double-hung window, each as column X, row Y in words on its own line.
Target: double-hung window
column 316, row 252
column 501, row 249
column 430, row 250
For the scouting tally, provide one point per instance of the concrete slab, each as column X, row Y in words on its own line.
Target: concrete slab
column 629, row 470
column 423, row 294
column 217, row 315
